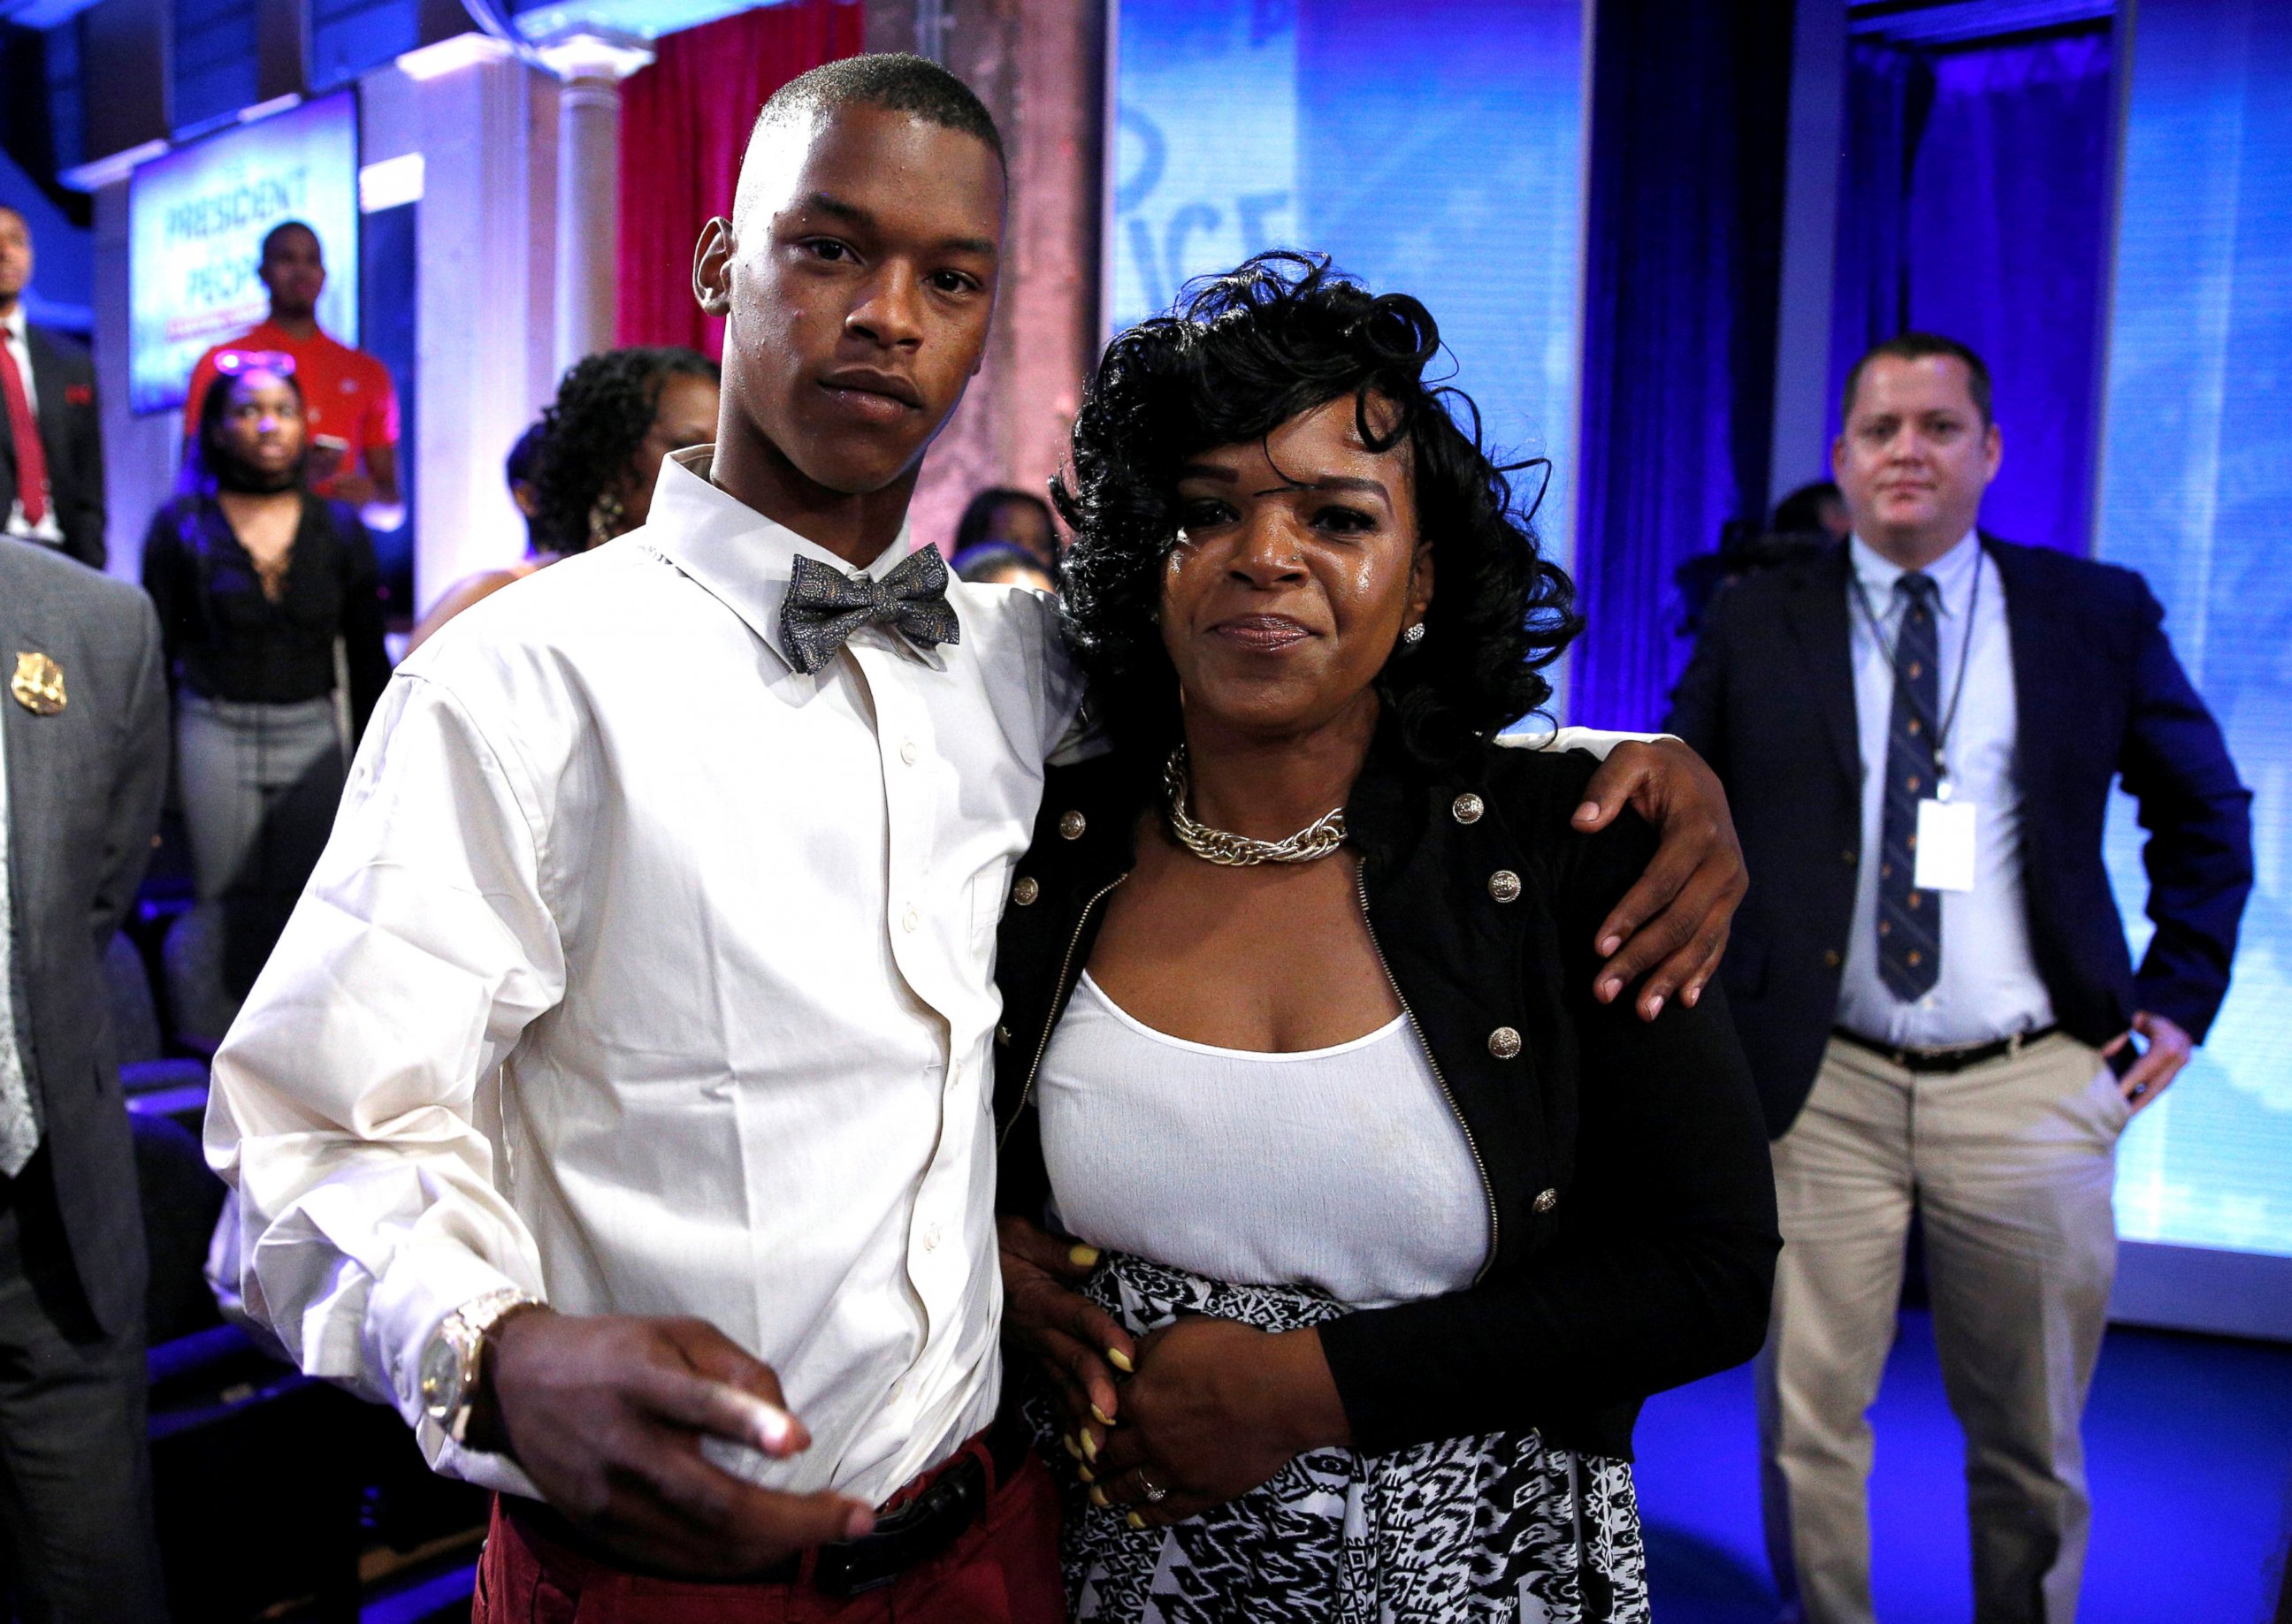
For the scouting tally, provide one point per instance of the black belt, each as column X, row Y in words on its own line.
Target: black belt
column 926, row 1526
column 901, row 1539
column 1945, row 1059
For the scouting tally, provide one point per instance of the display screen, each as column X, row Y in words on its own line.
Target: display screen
column 196, row 220
column 2197, row 482
column 1434, row 149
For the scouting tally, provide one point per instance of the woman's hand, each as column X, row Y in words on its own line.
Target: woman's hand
column 1215, row 1410
column 1673, row 923
column 1078, row 1343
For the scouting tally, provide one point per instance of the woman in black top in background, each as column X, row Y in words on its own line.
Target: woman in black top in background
column 258, row 583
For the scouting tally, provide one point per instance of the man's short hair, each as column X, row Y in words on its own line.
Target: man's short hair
column 894, row 81
column 1922, row 347
column 271, row 237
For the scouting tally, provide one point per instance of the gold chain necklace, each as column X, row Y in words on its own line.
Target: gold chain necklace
column 1317, row 839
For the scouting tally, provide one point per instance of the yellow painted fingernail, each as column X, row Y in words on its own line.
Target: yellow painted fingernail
column 1073, row 1448
column 1082, row 1257
column 1085, row 1474
column 1097, row 1495
column 1133, row 1519
column 1120, row 1361
column 1104, row 1420
column 1089, row 1444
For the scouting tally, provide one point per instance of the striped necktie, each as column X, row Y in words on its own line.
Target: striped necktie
column 1909, row 920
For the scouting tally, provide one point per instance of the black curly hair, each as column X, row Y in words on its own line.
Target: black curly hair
column 604, row 410
column 1242, row 354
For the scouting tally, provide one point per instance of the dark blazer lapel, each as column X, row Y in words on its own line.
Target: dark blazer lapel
column 49, row 383
column 2037, row 695
column 1816, row 610
column 36, row 775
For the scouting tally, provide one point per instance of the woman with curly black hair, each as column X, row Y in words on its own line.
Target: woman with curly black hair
column 598, row 452
column 1385, row 1221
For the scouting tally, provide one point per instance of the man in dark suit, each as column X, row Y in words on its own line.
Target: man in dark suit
column 82, row 764
column 1918, row 730
column 51, row 439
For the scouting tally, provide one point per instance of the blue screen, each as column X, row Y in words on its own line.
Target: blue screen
column 196, row 220
column 2196, row 494
column 1434, row 148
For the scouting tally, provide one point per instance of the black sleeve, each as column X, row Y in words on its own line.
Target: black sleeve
column 167, row 579
column 88, row 497
column 2200, row 821
column 140, row 783
column 1699, row 708
column 1662, row 1272
column 364, row 651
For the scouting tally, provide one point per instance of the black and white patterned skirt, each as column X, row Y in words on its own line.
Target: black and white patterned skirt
column 1497, row 1527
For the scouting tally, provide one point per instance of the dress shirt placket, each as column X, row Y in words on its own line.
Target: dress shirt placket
column 921, row 916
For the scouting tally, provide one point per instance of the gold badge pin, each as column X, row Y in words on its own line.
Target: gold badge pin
column 39, row 685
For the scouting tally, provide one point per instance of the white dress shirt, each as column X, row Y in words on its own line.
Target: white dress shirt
column 646, row 974
column 1988, row 986
column 12, row 332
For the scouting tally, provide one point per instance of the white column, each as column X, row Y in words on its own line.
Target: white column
column 481, row 121
column 590, row 66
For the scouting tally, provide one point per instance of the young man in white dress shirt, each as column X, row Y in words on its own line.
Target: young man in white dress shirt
column 649, row 970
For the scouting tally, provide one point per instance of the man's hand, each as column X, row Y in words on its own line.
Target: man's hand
column 1672, row 925
column 1077, row 1342
column 2169, row 1051
column 1215, row 1410
column 605, row 1415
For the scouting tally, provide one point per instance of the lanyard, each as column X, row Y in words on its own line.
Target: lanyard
column 1894, row 663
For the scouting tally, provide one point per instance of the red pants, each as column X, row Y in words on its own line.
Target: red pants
column 1003, row 1570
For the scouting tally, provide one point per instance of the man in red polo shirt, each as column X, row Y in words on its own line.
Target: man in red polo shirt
column 351, row 404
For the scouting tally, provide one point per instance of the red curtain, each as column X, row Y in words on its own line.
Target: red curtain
column 685, row 125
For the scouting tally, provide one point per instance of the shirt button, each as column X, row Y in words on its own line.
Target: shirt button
column 1025, row 892
column 1071, row 824
column 1467, row 808
column 931, row 1238
column 908, row 752
column 1830, row 959
column 1546, row 1201
column 1504, row 1043
column 911, row 921
column 1504, row 885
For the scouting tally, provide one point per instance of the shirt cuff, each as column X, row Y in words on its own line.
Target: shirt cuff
column 423, row 1284
column 1593, row 741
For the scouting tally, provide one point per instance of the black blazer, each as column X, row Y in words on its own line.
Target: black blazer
column 1768, row 700
column 84, row 790
column 63, row 377
column 1626, row 1164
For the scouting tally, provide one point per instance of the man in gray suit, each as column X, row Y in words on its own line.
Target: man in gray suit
column 83, row 765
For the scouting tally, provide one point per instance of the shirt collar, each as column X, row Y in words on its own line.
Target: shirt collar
column 1953, row 573
column 17, row 325
column 736, row 555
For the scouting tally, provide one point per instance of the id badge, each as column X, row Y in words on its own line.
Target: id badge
column 1945, row 855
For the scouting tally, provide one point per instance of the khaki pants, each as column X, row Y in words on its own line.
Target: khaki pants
column 2009, row 1165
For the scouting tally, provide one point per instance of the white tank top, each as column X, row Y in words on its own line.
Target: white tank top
column 1344, row 1169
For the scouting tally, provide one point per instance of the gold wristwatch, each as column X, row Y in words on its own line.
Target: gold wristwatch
column 450, row 1363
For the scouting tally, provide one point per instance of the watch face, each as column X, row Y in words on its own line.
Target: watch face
column 441, row 1378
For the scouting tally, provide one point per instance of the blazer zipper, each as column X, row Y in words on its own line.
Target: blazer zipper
column 1488, row 1189
column 1058, row 1000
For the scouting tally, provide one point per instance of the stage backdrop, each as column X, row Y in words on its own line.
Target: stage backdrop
column 685, row 125
column 2196, row 494
column 1435, row 150
column 196, row 220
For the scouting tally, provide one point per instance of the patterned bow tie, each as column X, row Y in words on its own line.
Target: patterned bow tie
column 824, row 606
